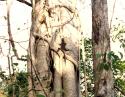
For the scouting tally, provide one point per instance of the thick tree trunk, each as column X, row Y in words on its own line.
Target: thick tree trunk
column 101, row 47
column 54, row 49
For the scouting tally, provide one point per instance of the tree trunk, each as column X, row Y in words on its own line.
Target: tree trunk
column 54, row 49
column 101, row 48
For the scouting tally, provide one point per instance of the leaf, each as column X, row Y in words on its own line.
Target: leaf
column 40, row 95
column 24, row 57
column 121, row 55
column 106, row 66
column 110, row 55
column 16, row 64
column 123, row 45
column 5, row 17
column 120, row 83
column 18, row 28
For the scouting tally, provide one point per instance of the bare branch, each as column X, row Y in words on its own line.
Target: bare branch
column 22, row 1
column 9, row 31
column 25, row 2
column 112, row 15
column 13, row 41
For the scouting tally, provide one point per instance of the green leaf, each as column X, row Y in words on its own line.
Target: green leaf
column 106, row 66
column 110, row 54
column 120, row 83
column 121, row 55
column 40, row 95
column 123, row 45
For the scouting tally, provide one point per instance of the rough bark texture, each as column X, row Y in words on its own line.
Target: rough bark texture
column 54, row 49
column 101, row 47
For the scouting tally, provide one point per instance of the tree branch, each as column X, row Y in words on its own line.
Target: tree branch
column 25, row 2
column 9, row 31
column 112, row 15
column 22, row 1
column 11, row 40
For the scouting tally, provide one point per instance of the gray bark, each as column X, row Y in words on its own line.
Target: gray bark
column 101, row 47
column 54, row 49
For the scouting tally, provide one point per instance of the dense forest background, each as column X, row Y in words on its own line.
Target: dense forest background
column 85, row 59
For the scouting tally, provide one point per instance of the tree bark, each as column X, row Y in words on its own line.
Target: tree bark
column 54, row 49
column 101, row 47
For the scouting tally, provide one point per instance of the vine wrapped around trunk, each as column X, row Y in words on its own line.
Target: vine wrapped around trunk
column 54, row 49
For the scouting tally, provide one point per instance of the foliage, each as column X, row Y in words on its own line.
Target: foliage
column 39, row 95
column 117, row 64
column 86, row 68
column 119, row 35
column 16, row 85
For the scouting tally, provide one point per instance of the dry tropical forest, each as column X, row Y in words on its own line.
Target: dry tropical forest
column 49, row 54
